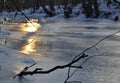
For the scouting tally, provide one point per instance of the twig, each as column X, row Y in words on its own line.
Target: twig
column 24, row 70
column 75, row 59
column 68, row 76
column 52, row 69
column 94, row 45
column 82, row 65
column 76, row 67
column 28, row 19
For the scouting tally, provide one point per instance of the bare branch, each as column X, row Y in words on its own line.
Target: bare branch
column 24, row 70
column 94, row 45
column 75, row 59
column 17, row 7
column 23, row 73
column 76, row 67
column 87, row 59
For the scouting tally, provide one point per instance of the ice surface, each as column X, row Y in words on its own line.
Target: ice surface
column 60, row 41
column 56, row 43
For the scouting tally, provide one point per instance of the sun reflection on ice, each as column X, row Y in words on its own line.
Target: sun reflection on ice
column 30, row 46
column 30, row 26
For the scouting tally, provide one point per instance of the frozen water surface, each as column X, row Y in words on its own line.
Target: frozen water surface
column 56, row 42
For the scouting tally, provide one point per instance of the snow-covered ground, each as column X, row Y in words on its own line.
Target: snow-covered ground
column 56, row 42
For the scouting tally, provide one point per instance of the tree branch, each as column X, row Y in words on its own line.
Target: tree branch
column 94, row 45
column 17, row 7
column 75, row 59
column 87, row 59
column 23, row 73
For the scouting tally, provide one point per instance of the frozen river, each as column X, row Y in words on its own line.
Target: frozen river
column 55, row 42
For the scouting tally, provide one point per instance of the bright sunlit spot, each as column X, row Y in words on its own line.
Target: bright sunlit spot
column 30, row 26
column 30, row 46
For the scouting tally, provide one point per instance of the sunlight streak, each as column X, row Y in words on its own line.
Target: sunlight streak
column 30, row 26
column 30, row 46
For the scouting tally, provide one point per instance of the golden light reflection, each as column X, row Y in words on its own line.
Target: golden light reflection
column 30, row 26
column 30, row 46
